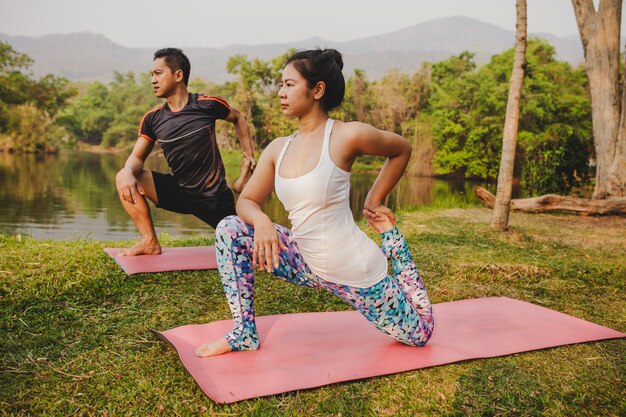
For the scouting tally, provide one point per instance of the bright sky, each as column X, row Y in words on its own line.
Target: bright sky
column 216, row 23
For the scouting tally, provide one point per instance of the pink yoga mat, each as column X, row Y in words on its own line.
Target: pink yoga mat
column 171, row 259
column 300, row 351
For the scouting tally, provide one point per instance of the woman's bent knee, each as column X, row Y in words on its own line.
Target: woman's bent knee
column 228, row 225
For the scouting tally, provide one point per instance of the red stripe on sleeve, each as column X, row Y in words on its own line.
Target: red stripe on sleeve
column 215, row 98
column 141, row 135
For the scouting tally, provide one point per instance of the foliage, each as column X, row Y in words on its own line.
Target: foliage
column 32, row 129
column 86, row 118
column 451, row 109
column 395, row 102
column 28, row 106
column 13, row 83
column 468, row 107
column 10, row 59
column 255, row 95
column 390, row 103
column 554, row 161
column 109, row 116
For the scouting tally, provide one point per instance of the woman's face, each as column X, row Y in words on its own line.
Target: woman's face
column 296, row 98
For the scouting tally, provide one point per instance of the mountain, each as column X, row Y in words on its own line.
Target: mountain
column 90, row 57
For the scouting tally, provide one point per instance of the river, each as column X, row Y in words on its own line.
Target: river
column 72, row 195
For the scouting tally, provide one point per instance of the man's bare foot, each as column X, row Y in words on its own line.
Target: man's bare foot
column 214, row 348
column 244, row 174
column 142, row 248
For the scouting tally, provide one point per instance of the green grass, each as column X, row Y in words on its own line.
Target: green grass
column 75, row 339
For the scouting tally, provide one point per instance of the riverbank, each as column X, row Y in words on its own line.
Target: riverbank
column 75, row 338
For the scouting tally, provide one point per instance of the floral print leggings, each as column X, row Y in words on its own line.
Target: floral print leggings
column 397, row 306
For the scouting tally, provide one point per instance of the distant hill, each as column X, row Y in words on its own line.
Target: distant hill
column 89, row 57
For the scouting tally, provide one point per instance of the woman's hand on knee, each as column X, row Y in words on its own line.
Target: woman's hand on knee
column 380, row 218
column 267, row 246
column 373, row 211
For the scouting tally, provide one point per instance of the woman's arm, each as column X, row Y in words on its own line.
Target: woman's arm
column 267, row 245
column 364, row 139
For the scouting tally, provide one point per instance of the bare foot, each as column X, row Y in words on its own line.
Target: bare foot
column 214, row 348
column 380, row 222
column 244, row 174
column 142, row 248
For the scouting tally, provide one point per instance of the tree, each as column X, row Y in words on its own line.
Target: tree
column 32, row 130
column 600, row 35
column 254, row 76
column 88, row 117
column 49, row 93
column 468, row 112
column 356, row 94
column 14, row 84
column 392, row 105
column 128, row 100
column 500, row 217
column 28, row 106
column 255, row 96
column 109, row 116
column 452, row 104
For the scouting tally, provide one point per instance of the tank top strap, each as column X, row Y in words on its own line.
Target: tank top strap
column 325, row 156
column 282, row 152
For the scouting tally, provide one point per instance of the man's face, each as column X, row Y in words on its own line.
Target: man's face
column 164, row 81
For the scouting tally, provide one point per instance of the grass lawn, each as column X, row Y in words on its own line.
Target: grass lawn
column 74, row 338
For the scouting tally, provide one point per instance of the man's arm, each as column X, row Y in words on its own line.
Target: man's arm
column 242, row 129
column 126, row 178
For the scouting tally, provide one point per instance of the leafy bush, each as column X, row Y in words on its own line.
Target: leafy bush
column 555, row 161
column 27, row 106
column 468, row 108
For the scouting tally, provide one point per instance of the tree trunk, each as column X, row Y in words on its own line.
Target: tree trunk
column 500, row 217
column 554, row 202
column 600, row 35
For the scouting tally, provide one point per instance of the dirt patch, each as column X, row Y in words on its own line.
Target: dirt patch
column 584, row 231
column 505, row 270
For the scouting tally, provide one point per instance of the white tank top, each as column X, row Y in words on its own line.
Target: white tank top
column 331, row 243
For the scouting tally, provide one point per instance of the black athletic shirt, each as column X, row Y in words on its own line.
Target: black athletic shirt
column 187, row 138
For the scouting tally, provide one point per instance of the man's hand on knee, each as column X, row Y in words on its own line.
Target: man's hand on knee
column 127, row 186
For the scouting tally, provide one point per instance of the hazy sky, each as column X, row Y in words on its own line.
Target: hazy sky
column 216, row 23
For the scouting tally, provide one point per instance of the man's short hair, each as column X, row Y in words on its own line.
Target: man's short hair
column 175, row 60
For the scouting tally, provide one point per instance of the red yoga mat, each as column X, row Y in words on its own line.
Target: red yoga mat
column 300, row 351
column 171, row 259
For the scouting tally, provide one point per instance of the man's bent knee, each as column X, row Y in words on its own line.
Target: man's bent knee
column 146, row 181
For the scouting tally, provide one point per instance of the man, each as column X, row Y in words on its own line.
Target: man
column 184, row 126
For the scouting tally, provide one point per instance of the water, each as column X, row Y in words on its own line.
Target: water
column 73, row 196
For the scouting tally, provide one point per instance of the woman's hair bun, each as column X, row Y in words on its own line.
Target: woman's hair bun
column 335, row 55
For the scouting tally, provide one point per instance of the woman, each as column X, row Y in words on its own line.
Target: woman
column 310, row 171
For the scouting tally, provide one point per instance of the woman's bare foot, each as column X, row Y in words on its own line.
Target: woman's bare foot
column 214, row 348
column 244, row 174
column 143, row 247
